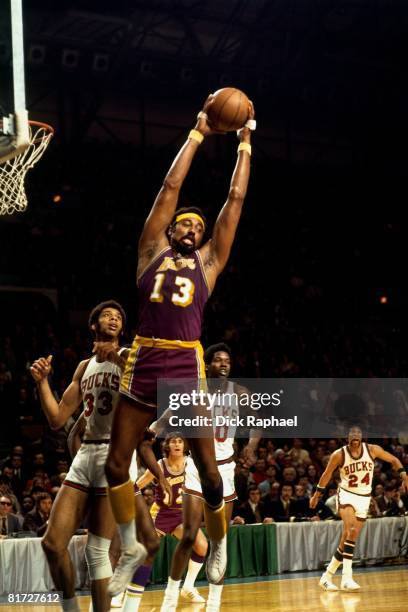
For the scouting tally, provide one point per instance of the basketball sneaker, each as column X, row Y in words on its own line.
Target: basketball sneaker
column 117, row 602
column 192, row 595
column 129, row 561
column 217, row 560
column 326, row 583
column 348, row 584
column 170, row 601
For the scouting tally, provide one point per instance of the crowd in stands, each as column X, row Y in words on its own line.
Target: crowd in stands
column 276, row 488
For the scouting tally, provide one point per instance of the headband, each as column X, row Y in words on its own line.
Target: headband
column 190, row 215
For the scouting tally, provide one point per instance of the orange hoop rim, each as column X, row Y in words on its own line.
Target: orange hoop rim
column 45, row 126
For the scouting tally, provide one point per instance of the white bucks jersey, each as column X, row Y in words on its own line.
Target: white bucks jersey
column 100, row 393
column 224, row 432
column 357, row 473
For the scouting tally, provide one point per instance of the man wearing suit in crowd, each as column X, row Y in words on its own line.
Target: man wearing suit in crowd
column 284, row 507
column 37, row 519
column 9, row 522
column 390, row 503
column 253, row 510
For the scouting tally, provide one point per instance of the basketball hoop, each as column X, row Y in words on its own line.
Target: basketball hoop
column 16, row 158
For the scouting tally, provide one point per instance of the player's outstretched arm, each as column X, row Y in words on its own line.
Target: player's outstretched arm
column 377, row 452
column 216, row 251
column 334, row 462
column 57, row 414
column 153, row 238
column 108, row 351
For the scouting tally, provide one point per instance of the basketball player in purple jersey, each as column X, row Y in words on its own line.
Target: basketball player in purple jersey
column 175, row 276
column 168, row 519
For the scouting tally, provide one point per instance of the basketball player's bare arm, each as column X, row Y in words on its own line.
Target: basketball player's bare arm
column 75, row 435
column 255, row 435
column 334, row 463
column 57, row 413
column 377, row 452
column 153, row 238
column 148, row 457
column 108, row 351
column 216, row 251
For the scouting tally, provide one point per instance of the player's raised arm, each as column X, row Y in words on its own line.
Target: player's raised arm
column 57, row 414
column 153, row 237
column 377, row 452
column 216, row 251
column 334, row 462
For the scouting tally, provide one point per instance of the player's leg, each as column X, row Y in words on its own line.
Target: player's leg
column 192, row 518
column 352, row 528
column 146, row 534
column 326, row 580
column 202, row 450
column 129, row 422
column 102, row 528
column 215, row 590
column 195, row 563
column 66, row 514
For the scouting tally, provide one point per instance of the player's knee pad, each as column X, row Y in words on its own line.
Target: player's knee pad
column 97, row 557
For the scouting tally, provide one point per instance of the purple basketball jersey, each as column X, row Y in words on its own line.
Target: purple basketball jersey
column 172, row 295
column 176, row 481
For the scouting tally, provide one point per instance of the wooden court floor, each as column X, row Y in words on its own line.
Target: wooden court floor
column 380, row 591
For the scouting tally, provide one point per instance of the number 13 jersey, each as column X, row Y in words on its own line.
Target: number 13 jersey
column 172, row 294
column 357, row 473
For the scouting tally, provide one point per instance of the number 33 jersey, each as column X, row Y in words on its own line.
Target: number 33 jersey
column 100, row 393
column 357, row 473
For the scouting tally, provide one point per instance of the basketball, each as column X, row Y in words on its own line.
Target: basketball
column 229, row 109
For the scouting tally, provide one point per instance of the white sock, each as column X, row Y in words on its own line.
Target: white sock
column 128, row 534
column 214, row 594
column 132, row 599
column 70, row 605
column 347, row 568
column 193, row 570
column 333, row 566
column 172, row 585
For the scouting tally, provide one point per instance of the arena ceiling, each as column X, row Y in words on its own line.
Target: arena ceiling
column 335, row 61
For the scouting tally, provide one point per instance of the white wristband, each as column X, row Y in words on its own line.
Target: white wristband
column 251, row 124
column 202, row 115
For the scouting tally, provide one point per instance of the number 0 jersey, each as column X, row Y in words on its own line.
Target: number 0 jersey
column 357, row 473
column 100, row 393
column 172, row 293
column 224, row 432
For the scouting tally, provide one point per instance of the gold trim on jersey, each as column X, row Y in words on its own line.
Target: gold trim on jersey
column 161, row 343
column 201, row 368
column 127, row 376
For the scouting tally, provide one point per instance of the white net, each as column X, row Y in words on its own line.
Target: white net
column 14, row 169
